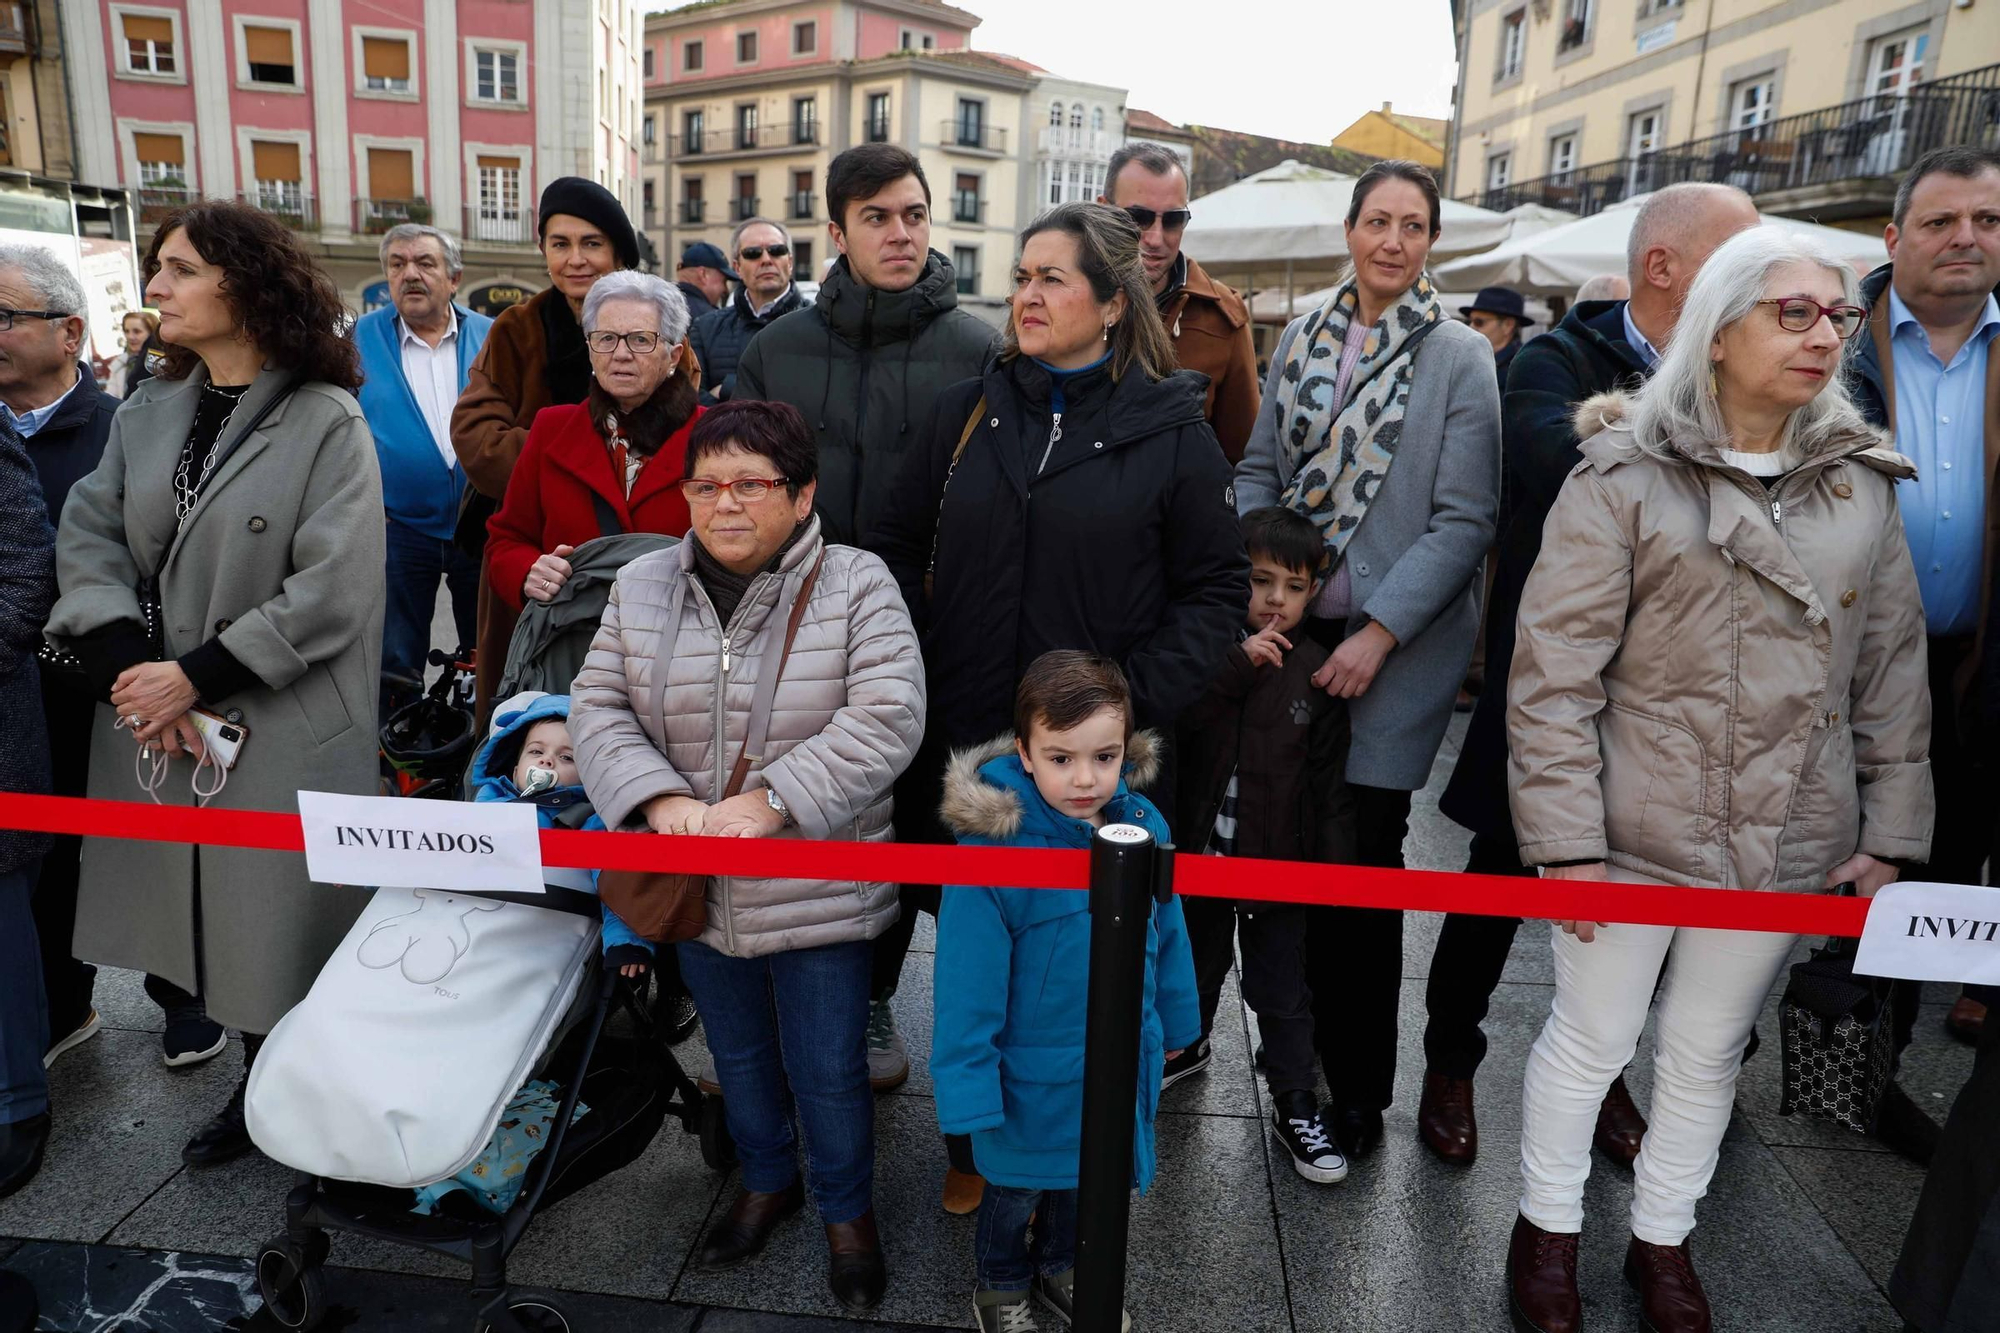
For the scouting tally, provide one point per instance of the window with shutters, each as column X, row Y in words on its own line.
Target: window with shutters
column 691, row 56
column 386, row 62
column 805, row 38
column 151, row 44
column 392, row 174
column 496, row 75
column 277, row 172
column 162, row 161
column 269, row 55
column 746, row 48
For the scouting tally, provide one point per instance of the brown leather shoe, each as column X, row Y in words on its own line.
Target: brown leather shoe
column 854, row 1267
column 1967, row 1020
column 1444, row 1118
column 1541, row 1280
column 1620, row 1126
column 962, row 1191
column 1670, row 1296
column 748, row 1224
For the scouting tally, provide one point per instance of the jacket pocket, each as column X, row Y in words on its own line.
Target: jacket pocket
column 319, row 700
column 1826, row 822
column 1655, row 785
column 1042, row 1092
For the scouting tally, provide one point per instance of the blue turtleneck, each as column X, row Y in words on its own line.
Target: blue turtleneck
column 1059, row 379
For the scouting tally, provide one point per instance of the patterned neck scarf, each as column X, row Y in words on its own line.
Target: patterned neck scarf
column 1337, row 453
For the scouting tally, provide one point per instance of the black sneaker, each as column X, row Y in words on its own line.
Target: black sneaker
column 223, row 1139
column 1190, row 1061
column 675, row 1017
column 1295, row 1119
column 191, row 1037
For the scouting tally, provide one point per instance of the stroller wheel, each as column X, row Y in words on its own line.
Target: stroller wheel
column 717, row 1148
column 532, row 1316
column 294, row 1291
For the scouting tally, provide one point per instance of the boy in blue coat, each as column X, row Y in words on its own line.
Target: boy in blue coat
column 1013, row 971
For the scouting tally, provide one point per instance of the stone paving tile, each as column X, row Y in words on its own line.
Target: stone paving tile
column 120, row 1119
column 1203, row 1249
column 121, row 1001
column 1867, row 1198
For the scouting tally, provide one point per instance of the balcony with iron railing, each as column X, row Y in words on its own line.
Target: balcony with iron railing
column 747, row 139
column 799, row 206
column 1841, row 160
column 499, row 222
column 1059, row 141
column 372, row 217
column 972, row 136
column 742, row 207
column 968, row 208
column 968, row 282
column 875, row 129
column 285, row 201
column 693, row 212
column 654, row 153
column 157, row 201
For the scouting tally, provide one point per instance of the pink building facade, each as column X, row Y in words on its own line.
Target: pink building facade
column 347, row 116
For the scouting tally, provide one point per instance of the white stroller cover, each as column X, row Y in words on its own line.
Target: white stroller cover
column 395, row 1068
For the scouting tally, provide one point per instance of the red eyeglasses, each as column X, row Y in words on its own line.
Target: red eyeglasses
column 1797, row 314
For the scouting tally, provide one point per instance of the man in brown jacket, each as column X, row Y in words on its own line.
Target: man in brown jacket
column 1208, row 322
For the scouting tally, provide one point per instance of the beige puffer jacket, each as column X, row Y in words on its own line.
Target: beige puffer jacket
column 847, row 718
column 1718, row 686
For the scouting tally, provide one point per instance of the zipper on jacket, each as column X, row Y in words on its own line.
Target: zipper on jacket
column 1777, row 511
column 1055, row 433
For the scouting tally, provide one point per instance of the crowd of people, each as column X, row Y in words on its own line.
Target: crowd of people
column 1725, row 547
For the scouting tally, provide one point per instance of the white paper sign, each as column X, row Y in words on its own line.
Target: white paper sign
column 1932, row 932
column 416, row 844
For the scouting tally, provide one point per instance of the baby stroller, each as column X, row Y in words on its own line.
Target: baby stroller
column 427, row 743
column 395, row 1070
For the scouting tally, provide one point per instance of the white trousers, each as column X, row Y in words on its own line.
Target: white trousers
column 1716, row 983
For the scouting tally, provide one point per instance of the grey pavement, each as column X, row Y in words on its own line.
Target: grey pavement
column 1798, row 1234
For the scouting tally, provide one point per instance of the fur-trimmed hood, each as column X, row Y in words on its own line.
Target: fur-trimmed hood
column 1603, row 425
column 983, row 804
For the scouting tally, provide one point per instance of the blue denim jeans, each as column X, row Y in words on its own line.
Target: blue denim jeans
column 794, row 1022
column 416, row 563
column 24, row 1005
column 1001, row 1250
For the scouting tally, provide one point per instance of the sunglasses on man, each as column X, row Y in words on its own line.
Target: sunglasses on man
column 1173, row 219
column 753, row 253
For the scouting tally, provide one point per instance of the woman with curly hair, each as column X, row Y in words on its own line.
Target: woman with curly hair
column 223, row 567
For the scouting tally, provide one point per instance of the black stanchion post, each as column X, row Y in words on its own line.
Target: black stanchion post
column 1123, row 873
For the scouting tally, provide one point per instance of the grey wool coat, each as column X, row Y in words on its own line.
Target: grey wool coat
column 1416, row 557
column 282, row 558
column 845, row 723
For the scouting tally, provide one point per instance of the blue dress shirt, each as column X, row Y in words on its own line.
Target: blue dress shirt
column 1940, row 425
column 27, row 423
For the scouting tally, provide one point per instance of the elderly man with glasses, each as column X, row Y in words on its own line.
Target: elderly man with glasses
column 762, row 252
column 1208, row 322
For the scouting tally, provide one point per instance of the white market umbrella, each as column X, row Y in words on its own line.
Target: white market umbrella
column 1557, row 261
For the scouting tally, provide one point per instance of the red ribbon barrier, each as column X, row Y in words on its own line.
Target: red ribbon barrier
column 1019, row 868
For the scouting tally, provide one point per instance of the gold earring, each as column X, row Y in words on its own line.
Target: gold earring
column 1713, row 390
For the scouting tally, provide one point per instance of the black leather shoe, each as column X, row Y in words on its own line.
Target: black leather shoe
column 223, row 1139
column 21, row 1145
column 748, row 1224
column 1358, row 1130
column 854, row 1268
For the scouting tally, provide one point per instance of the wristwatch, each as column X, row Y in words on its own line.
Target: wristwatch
column 771, row 796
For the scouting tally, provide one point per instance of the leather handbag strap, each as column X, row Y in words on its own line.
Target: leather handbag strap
column 767, row 687
column 957, row 453
column 607, row 517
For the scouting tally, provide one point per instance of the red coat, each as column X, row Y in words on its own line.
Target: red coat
column 564, row 463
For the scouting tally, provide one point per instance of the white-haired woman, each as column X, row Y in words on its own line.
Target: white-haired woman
column 616, row 456
column 1719, row 681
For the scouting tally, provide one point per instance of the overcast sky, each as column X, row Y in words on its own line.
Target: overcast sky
column 1301, row 70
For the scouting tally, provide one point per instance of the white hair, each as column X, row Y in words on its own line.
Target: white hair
column 454, row 262
column 630, row 284
column 1677, row 404
column 1604, row 287
column 54, row 283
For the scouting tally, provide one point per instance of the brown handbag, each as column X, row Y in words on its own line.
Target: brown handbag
column 665, row 906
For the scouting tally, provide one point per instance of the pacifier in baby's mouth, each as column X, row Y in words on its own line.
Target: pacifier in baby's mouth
column 539, row 781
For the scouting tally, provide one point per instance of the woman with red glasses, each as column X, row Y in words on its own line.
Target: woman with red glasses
column 1718, row 682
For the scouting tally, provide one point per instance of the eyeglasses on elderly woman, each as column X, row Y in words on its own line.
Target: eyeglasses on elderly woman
column 1797, row 314
column 604, row 342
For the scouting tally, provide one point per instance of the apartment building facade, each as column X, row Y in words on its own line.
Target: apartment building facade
column 1077, row 126
column 1814, row 106
column 747, row 102
column 345, row 117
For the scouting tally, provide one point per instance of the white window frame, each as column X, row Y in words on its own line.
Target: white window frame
column 1764, row 112
column 1055, row 115
column 242, row 22
column 408, row 37
column 1918, row 40
column 1500, row 170
column 414, row 146
column 122, row 68
column 128, row 149
column 1562, row 157
column 1633, row 152
column 1513, row 45
column 246, row 161
column 498, row 46
column 812, row 50
column 524, row 155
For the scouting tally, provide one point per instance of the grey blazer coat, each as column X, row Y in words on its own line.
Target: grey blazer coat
column 1416, row 557
column 282, row 558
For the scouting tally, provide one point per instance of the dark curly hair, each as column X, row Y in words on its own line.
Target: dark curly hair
column 283, row 301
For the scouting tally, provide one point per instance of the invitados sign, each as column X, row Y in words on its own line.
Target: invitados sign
column 1932, row 932
column 386, row 841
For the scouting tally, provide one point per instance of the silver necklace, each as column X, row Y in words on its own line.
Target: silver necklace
column 186, row 490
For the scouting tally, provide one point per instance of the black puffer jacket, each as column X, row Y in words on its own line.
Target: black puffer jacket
column 1125, row 542
column 720, row 336
column 866, row 368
